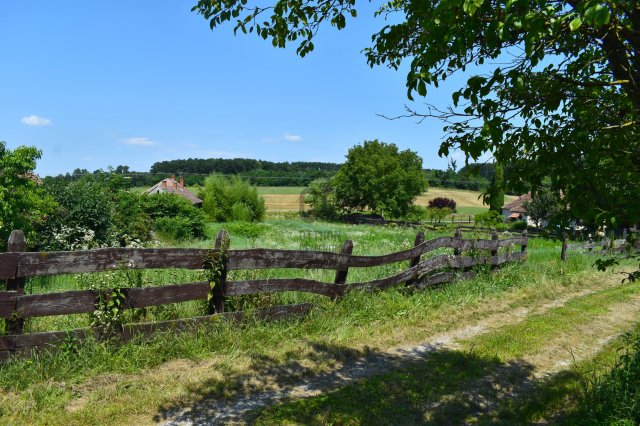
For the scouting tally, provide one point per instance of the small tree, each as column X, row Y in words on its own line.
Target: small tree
column 231, row 199
column 443, row 202
column 438, row 214
column 544, row 206
column 23, row 203
column 378, row 177
column 321, row 197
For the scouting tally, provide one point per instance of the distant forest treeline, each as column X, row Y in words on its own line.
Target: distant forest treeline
column 267, row 173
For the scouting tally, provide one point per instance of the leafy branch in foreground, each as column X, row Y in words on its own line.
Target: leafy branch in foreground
column 554, row 90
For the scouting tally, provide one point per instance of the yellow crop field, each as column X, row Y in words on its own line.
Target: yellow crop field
column 282, row 198
column 463, row 198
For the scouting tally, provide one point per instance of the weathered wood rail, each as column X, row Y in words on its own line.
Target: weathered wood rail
column 16, row 265
column 598, row 248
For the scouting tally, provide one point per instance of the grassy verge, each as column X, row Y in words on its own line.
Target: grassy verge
column 98, row 382
column 456, row 387
column 490, row 380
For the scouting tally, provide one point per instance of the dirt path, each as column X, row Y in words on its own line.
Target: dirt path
column 565, row 348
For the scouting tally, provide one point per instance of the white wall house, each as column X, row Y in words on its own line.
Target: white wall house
column 515, row 210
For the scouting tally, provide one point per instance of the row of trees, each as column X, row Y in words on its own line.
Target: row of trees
column 475, row 177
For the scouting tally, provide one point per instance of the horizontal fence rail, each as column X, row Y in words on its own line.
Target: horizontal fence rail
column 20, row 265
column 17, row 265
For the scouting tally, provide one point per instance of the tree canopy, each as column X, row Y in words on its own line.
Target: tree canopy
column 379, row 177
column 554, row 91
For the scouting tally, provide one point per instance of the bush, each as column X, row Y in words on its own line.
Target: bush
column 489, row 219
column 438, row 214
column 501, row 227
column 247, row 229
column 518, row 225
column 234, row 199
column 130, row 220
column 173, row 228
column 85, row 203
column 322, row 198
column 442, row 203
column 417, row 214
column 160, row 207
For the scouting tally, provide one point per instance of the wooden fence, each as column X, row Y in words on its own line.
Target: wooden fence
column 16, row 265
column 598, row 248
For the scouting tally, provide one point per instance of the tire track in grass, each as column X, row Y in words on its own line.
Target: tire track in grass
column 216, row 411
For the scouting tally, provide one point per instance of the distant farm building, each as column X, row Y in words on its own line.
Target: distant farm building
column 172, row 186
column 515, row 210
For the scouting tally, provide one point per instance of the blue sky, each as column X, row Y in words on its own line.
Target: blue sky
column 94, row 84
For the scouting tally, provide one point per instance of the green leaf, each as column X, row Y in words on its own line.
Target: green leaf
column 575, row 24
column 470, row 6
column 456, row 98
column 422, row 88
column 598, row 15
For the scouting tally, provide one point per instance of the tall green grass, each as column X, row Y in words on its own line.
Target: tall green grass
column 41, row 387
column 612, row 398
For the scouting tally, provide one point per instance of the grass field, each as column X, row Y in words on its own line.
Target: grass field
column 539, row 313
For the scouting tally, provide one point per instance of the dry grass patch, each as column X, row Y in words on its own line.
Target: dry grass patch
column 463, row 198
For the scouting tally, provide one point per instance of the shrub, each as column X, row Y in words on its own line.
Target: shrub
column 130, row 220
column 247, row 229
column 442, row 203
column 438, row 214
column 85, row 203
column 173, row 228
column 417, row 214
column 232, row 199
column 518, row 225
column 489, row 219
column 163, row 206
column 322, row 198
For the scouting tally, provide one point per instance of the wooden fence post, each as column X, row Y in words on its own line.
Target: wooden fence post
column 563, row 253
column 17, row 243
column 458, row 237
column 416, row 260
column 220, row 288
column 494, row 237
column 523, row 247
column 341, row 273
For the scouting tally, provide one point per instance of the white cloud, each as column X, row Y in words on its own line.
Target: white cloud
column 291, row 137
column 140, row 141
column 34, row 120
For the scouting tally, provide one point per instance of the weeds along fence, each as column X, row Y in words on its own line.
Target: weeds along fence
column 16, row 265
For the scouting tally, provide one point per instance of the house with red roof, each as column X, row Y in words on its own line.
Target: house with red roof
column 515, row 210
column 172, row 186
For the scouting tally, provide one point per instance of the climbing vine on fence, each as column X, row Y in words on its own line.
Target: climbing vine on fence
column 215, row 270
